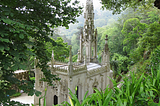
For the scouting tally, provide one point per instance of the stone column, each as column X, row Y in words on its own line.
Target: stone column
column 111, row 76
column 107, row 55
column 90, row 47
column 37, row 73
column 101, row 76
column 96, row 44
column 85, row 63
column 81, row 46
column 79, row 59
column 70, row 64
column 70, row 86
column 95, row 47
column 59, row 94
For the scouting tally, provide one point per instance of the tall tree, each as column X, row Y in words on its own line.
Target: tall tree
column 132, row 30
column 24, row 29
column 61, row 50
column 75, row 41
column 117, row 6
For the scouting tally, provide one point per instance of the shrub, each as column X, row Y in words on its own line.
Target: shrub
column 136, row 91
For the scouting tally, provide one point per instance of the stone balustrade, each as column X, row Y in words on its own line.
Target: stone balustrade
column 22, row 75
column 61, row 62
column 58, row 63
column 81, row 68
column 76, row 64
column 94, row 71
column 61, row 69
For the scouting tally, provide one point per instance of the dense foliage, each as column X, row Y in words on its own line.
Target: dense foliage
column 134, row 45
column 140, row 90
column 137, row 88
column 133, row 36
column 61, row 50
column 24, row 29
column 121, row 5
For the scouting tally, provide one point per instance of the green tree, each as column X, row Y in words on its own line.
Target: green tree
column 119, row 63
column 61, row 50
column 75, row 41
column 24, row 29
column 121, row 5
column 75, row 45
column 150, row 39
column 132, row 30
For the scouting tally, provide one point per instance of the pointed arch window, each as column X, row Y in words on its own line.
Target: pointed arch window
column 55, row 100
column 77, row 90
column 94, row 90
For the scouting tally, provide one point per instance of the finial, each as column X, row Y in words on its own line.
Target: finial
column 35, row 62
column 81, row 33
column 52, row 54
column 106, row 37
column 70, row 55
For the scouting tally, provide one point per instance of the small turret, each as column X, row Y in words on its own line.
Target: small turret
column 78, row 59
column 105, row 54
column 88, row 38
column 106, row 49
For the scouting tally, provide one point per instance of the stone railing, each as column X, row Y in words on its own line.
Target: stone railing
column 22, row 74
column 100, row 69
column 76, row 63
column 61, row 69
column 81, row 68
column 60, row 63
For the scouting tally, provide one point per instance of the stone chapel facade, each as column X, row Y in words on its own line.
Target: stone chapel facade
column 85, row 74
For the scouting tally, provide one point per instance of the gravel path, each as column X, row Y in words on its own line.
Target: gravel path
column 24, row 98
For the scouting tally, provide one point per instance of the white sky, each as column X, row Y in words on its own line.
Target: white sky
column 96, row 3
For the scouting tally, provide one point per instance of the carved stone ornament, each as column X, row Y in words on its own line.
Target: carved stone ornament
column 95, row 83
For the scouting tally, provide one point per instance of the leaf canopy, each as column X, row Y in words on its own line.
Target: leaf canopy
column 25, row 26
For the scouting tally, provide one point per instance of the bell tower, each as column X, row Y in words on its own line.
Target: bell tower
column 88, row 37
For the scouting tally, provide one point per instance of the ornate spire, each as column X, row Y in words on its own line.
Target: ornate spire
column 88, row 40
column 89, row 6
column 105, row 54
column 106, row 49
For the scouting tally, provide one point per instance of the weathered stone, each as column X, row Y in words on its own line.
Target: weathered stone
column 85, row 74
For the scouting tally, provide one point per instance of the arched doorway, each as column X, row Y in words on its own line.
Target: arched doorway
column 55, row 100
column 94, row 88
column 77, row 90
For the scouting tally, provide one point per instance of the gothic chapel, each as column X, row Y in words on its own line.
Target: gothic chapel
column 85, row 74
